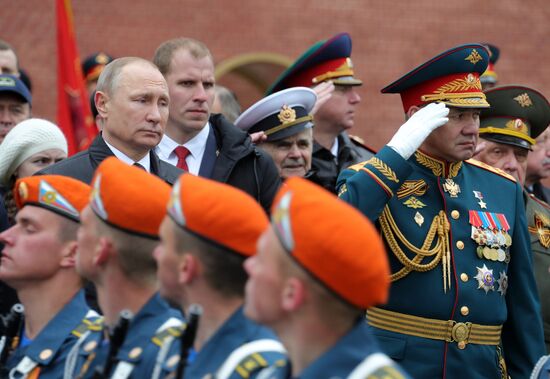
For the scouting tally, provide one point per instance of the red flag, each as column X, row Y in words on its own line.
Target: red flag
column 74, row 116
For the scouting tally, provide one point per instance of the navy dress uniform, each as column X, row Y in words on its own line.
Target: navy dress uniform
column 518, row 115
column 463, row 301
column 327, row 60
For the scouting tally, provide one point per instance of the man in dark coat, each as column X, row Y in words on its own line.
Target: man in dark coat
column 132, row 101
column 201, row 143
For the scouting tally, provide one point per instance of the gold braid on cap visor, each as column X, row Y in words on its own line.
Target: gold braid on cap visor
column 288, row 124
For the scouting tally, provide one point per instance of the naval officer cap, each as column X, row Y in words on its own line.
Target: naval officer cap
column 518, row 115
column 451, row 77
column 280, row 115
column 325, row 60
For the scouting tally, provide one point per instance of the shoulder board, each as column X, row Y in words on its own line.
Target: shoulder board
column 357, row 166
column 249, row 358
column 361, row 142
column 539, row 201
column 173, row 327
column 492, row 169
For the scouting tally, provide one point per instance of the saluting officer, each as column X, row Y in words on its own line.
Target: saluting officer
column 333, row 149
column 463, row 302
column 38, row 261
column 518, row 115
column 285, row 118
column 115, row 251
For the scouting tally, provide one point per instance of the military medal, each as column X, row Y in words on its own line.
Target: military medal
column 479, row 196
column 541, row 229
column 502, row 283
column 451, row 187
column 485, row 279
column 490, row 232
column 418, row 218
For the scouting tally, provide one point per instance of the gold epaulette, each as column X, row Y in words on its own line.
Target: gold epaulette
column 542, row 203
column 495, row 170
column 356, row 139
column 357, row 166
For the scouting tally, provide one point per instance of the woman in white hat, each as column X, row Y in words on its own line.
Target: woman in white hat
column 29, row 147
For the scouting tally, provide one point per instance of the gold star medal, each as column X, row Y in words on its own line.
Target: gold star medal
column 478, row 195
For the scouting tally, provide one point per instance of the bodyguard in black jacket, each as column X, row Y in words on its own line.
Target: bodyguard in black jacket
column 199, row 142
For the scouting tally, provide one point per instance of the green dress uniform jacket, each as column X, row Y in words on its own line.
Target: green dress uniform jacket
column 463, row 301
column 538, row 219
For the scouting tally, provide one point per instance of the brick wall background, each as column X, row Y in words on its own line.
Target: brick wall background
column 389, row 38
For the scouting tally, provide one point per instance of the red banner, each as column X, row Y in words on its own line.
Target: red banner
column 74, row 116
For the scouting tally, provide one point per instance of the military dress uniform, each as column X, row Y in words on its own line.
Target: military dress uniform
column 240, row 348
column 45, row 355
column 518, row 115
column 538, row 219
column 463, row 301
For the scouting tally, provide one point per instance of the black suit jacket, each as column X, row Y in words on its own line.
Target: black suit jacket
column 82, row 166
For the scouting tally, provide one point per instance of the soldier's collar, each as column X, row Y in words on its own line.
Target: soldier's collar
column 437, row 166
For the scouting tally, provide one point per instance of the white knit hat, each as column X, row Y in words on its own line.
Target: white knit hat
column 26, row 139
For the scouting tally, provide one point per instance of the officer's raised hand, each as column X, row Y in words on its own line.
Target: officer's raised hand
column 418, row 127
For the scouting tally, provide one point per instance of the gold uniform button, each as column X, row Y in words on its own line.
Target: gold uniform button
column 464, row 277
column 460, row 245
column 455, row 214
column 45, row 354
column 90, row 346
column 464, row 310
column 461, row 345
column 135, row 352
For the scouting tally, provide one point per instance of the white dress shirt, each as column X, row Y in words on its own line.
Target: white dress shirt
column 145, row 162
column 196, row 147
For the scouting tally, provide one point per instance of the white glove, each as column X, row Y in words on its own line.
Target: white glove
column 412, row 134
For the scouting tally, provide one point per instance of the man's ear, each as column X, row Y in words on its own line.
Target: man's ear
column 294, row 294
column 188, row 268
column 101, row 99
column 103, row 251
column 412, row 110
column 68, row 254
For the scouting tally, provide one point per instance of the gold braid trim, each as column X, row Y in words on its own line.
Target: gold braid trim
column 432, row 164
column 437, row 166
column 440, row 226
column 383, row 168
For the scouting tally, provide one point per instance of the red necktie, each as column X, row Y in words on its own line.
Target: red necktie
column 182, row 153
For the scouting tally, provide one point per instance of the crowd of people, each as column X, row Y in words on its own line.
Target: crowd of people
column 195, row 240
